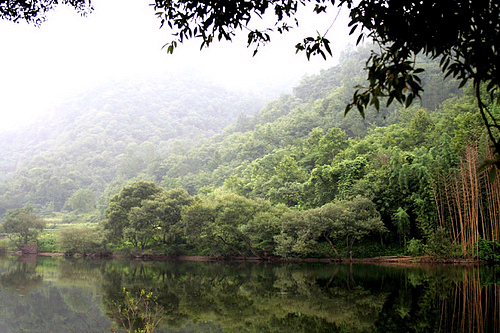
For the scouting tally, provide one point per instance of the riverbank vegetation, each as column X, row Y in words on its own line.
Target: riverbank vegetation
column 296, row 179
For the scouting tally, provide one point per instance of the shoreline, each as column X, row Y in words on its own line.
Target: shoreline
column 387, row 260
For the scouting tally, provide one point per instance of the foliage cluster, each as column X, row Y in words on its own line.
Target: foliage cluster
column 489, row 250
column 227, row 224
column 138, row 313
column 82, row 241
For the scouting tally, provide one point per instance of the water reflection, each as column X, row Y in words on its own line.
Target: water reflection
column 54, row 294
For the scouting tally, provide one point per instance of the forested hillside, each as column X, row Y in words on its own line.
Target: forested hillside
column 295, row 124
column 297, row 178
column 112, row 133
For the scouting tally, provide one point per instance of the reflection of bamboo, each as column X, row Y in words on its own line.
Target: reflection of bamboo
column 465, row 312
column 496, row 309
column 478, row 304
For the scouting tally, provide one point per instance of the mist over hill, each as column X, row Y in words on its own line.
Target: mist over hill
column 111, row 132
column 181, row 131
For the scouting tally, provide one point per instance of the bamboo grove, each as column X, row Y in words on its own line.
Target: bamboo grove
column 468, row 200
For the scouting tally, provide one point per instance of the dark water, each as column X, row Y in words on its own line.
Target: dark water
column 59, row 295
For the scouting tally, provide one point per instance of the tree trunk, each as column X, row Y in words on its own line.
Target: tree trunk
column 332, row 246
column 350, row 249
column 250, row 247
column 231, row 246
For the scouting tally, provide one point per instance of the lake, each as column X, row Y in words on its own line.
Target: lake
column 39, row 294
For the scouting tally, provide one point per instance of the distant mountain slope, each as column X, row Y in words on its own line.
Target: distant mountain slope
column 111, row 132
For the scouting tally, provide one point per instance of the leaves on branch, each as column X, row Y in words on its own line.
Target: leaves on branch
column 210, row 19
column 314, row 46
column 34, row 11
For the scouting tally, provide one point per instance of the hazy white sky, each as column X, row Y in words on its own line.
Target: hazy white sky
column 121, row 39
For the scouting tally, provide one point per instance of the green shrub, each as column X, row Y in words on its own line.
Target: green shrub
column 324, row 250
column 125, row 249
column 137, row 313
column 70, row 218
column 47, row 243
column 82, row 241
column 489, row 250
column 415, row 248
column 4, row 246
column 369, row 249
column 440, row 245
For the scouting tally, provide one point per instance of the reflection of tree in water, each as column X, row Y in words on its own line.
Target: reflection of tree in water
column 29, row 304
column 20, row 277
column 134, row 277
column 78, row 299
column 234, row 297
column 244, row 298
column 336, row 295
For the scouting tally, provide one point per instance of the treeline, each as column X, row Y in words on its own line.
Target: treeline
column 416, row 185
column 422, row 177
column 145, row 216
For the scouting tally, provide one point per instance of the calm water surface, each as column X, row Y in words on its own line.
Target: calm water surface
column 60, row 295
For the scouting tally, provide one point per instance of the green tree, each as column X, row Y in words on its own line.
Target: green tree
column 22, row 225
column 298, row 234
column 120, row 206
column 142, row 224
column 330, row 145
column 352, row 220
column 262, row 228
column 233, row 214
column 288, row 170
column 195, row 220
column 335, row 181
column 144, row 213
column 401, row 220
column 164, row 212
column 231, row 224
column 82, row 201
